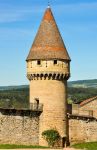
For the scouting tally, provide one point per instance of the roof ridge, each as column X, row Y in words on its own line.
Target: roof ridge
column 87, row 100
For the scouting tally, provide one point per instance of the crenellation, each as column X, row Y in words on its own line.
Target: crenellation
column 48, row 76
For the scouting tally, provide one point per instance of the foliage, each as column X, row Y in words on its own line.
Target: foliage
column 13, row 146
column 14, row 98
column 79, row 94
column 83, row 83
column 51, row 136
column 19, row 96
column 87, row 146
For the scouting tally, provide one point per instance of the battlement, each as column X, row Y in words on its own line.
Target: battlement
column 48, row 76
column 51, row 69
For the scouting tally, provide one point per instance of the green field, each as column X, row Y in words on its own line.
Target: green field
column 86, row 146
column 83, row 83
column 8, row 146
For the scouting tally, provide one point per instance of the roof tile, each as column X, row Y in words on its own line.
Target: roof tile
column 48, row 43
column 87, row 101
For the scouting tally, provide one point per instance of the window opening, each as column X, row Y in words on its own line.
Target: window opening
column 55, row 62
column 38, row 62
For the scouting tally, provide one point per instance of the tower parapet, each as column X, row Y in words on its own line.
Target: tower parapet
column 50, row 69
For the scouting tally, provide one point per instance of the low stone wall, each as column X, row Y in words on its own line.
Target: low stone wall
column 22, row 127
column 19, row 127
column 82, row 129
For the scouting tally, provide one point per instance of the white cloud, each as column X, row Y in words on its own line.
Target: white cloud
column 9, row 12
column 77, row 7
column 13, row 13
column 15, row 34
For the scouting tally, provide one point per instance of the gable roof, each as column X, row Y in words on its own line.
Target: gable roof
column 48, row 43
column 87, row 101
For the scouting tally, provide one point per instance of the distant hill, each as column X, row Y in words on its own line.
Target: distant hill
column 75, row 84
column 18, row 96
column 2, row 88
column 83, row 83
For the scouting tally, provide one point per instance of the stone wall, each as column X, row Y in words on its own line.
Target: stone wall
column 52, row 94
column 22, row 127
column 82, row 130
column 47, row 66
column 91, row 106
column 85, row 110
column 19, row 127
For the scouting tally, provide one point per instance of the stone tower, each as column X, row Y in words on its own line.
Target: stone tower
column 48, row 69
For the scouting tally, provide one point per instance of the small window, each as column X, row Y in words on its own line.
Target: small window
column 31, row 64
column 55, row 62
column 38, row 62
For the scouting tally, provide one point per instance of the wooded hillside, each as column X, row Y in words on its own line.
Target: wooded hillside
column 19, row 97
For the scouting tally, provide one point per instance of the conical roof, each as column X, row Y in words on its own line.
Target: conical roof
column 48, row 43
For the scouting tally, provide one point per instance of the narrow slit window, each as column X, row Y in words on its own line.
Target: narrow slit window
column 38, row 62
column 31, row 64
column 55, row 62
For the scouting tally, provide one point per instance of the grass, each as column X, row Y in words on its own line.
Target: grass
column 87, row 146
column 13, row 146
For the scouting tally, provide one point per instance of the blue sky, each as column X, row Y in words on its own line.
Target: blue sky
column 19, row 22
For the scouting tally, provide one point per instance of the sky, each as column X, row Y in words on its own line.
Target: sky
column 19, row 22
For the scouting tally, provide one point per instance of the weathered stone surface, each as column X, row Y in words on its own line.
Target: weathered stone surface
column 82, row 130
column 90, row 106
column 48, row 69
column 83, row 127
column 52, row 94
column 17, row 128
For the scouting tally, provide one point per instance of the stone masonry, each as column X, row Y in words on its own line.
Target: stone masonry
column 48, row 69
column 83, row 121
column 19, row 127
column 82, row 130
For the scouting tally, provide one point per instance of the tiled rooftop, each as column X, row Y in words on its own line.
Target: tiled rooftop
column 87, row 101
column 48, row 43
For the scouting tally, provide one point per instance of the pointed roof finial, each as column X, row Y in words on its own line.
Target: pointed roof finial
column 48, row 3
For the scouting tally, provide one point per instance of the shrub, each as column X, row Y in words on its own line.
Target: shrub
column 51, row 136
